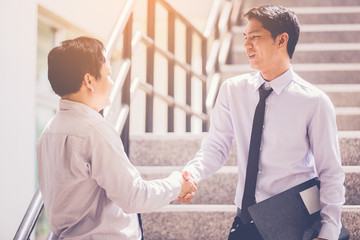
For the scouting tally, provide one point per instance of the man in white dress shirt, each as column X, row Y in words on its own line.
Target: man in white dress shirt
column 89, row 187
column 299, row 136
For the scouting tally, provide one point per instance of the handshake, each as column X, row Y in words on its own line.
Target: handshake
column 188, row 188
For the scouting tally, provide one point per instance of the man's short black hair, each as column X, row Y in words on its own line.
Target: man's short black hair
column 69, row 62
column 277, row 20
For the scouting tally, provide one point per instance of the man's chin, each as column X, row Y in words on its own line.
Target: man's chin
column 253, row 66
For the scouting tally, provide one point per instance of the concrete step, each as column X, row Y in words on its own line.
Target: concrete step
column 349, row 142
column 329, row 37
column 315, row 73
column 177, row 149
column 212, row 222
column 328, row 14
column 220, row 187
column 342, row 95
column 317, row 33
column 311, row 53
column 296, row 3
column 348, row 118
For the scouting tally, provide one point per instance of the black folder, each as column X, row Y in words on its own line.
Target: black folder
column 285, row 216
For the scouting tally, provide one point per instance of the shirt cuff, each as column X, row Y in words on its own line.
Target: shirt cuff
column 329, row 232
column 175, row 185
column 195, row 174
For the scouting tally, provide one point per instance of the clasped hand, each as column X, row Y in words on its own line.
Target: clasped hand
column 188, row 188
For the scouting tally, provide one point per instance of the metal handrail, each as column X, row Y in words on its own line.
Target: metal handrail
column 218, row 20
column 119, row 27
column 125, row 109
column 218, row 23
column 31, row 216
column 170, row 56
column 178, row 15
column 149, row 89
column 213, row 15
column 118, row 84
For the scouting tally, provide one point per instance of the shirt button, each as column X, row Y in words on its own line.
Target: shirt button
column 263, row 126
column 259, row 172
column 260, row 148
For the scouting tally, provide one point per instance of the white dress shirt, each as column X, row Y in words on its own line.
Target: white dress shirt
column 299, row 141
column 89, row 187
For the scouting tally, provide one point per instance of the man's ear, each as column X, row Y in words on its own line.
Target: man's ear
column 88, row 82
column 282, row 39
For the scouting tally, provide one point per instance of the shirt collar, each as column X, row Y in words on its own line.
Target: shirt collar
column 278, row 84
column 66, row 105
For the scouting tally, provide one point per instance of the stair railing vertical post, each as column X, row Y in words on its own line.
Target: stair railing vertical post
column 150, row 57
column 238, row 20
column 204, row 87
column 188, row 75
column 125, row 94
column 217, row 37
column 229, row 25
column 171, row 67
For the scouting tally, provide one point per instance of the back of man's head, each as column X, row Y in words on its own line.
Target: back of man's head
column 69, row 62
column 277, row 20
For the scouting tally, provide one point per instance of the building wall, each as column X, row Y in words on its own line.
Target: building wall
column 18, row 21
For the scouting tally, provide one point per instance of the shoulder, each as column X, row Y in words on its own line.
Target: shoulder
column 309, row 91
column 78, row 124
column 103, row 131
column 306, row 88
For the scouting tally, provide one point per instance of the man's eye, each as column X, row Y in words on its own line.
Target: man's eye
column 253, row 37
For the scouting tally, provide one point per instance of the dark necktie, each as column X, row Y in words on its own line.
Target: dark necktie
column 253, row 159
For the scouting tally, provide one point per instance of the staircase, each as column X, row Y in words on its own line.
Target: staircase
column 327, row 55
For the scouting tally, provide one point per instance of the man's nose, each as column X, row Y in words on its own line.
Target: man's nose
column 246, row 43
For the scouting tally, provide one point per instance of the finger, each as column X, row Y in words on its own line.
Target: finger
column 187, row 201
column 189, row 196
column 181, row 199
column 186, row 198
column 191, row 176
column 186, row 175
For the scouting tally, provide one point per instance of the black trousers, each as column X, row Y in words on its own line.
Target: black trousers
column 239, row 231
column 141, row 226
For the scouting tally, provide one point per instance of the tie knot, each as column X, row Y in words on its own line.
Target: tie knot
column 263, row 93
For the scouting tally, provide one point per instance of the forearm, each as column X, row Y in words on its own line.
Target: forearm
column 112, row 171
column 216, row 145
column 331, row 198
column 325, row 148
column 210, row 158
column 146, row 196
